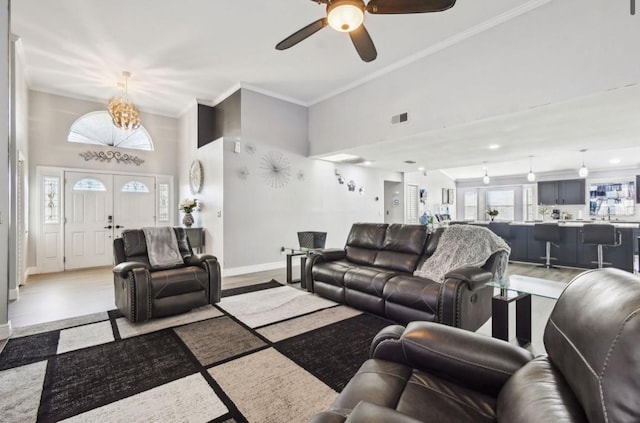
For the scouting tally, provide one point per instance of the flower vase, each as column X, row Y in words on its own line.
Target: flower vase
column 187, row 220
column 492, row 217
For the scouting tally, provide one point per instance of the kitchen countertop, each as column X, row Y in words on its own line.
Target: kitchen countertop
column 573, row 223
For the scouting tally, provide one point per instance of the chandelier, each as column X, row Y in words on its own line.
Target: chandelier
column 124, row 114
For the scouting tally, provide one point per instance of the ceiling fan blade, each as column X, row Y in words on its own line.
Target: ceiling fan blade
column 301, row 34
column 363, row 43
column 408, row 6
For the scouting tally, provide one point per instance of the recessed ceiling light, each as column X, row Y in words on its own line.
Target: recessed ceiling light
column 367, row 163
column 494, row 147
column 421, row 168
column 340, row 157
column 614, row 160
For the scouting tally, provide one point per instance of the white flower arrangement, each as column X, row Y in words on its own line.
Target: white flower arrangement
column 188, row 205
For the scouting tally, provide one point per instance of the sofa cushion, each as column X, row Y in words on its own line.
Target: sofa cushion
column 332, row 272
column 405, row 238
column 414, row 393
column 402, row 262
column 361, row 255
column 538, row 393
column 364, row 242
column 171, row 282
column 367, row 235
column 413, row 292
column 368, row 279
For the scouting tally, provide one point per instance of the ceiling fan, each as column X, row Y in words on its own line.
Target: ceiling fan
column 348, row 15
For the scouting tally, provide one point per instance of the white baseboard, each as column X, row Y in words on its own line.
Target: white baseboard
column 14, row 294
column 33, row 270
column 5, row 330
column 235, row 271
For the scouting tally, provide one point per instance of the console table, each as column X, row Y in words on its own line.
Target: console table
column 519, row 289
column 196, row 238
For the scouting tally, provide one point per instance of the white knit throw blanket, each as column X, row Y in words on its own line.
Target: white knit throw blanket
column 461, row 246
column 162, row 247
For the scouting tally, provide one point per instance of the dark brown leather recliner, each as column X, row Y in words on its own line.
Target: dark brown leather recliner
column 434, row 373
column 142, row 292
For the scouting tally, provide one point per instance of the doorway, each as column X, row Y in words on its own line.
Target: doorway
column 393, row 202
column 97, row 208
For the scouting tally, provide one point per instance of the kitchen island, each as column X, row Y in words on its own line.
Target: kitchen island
column 570, row 250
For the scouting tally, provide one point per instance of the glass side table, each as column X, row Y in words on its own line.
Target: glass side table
column 293, row 252
column 519, row 289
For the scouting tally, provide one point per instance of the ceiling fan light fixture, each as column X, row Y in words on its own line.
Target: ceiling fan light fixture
column 345, row 16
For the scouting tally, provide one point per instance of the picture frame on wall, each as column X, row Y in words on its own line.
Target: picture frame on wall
column 448, row 196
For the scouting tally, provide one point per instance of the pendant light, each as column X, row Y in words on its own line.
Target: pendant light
column 123, row 112
column 583, row 172
column 485, row 178
column 531, row 177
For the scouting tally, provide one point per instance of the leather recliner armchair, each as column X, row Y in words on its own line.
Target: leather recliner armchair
column 435, row 373
column 142, row 292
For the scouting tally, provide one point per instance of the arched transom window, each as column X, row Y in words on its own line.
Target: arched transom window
column 97, row 128
column 89, row 184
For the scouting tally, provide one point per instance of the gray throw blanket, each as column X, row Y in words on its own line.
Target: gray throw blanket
column 162, row 247
column 460, row 246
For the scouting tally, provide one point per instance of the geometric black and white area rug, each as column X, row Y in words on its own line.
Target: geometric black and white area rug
column 265, row 353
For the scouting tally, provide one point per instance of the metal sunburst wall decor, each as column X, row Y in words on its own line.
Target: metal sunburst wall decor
column 243, row 173
column 276, row 169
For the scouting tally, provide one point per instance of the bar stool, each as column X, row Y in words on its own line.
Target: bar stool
column 548, row 233
column 601, row 234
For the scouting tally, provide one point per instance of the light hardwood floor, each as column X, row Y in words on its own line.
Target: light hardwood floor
column 55, row 296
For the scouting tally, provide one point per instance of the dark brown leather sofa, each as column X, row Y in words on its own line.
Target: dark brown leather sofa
column 374, row 273
column 142, row 292
column 434, row 373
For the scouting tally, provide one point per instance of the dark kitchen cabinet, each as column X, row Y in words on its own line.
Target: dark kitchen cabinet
column 548, row 192
column 570, row 191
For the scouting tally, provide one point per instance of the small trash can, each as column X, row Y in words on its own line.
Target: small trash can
column 310, row 239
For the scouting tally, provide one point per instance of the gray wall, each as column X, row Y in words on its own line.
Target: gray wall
column 485, row 75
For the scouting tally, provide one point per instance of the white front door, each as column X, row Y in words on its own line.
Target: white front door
column 134, row 202
column 88, row 220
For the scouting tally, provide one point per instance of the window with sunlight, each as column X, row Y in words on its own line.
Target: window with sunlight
column 97, row 128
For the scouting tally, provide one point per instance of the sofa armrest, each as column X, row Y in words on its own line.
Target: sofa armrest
column 123, row 268
column 464, row 301
column 474, row 277
column 477, row 361
column 329, row 254
column 198, row 259
column 318, row 256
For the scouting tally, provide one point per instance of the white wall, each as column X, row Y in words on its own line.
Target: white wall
column 260, row 219
column 526, row 62
column 51, row 116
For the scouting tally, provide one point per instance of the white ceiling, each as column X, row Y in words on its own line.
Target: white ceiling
column 178, row 51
